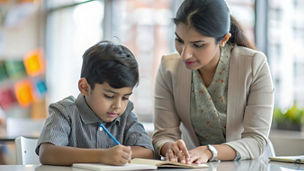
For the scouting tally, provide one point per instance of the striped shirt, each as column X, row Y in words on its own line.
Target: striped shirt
column 71, row 122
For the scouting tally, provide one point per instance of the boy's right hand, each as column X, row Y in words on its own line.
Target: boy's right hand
column 118, row 155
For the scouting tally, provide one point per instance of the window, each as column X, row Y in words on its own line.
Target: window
column 285, row 42
column 71, row 29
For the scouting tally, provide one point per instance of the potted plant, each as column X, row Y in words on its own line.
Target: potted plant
column 292, row 119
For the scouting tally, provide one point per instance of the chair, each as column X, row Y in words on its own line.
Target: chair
column 25, row 150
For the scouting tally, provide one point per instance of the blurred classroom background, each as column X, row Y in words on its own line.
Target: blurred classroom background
column 42, row 42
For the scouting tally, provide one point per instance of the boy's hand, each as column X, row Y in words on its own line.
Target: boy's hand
column 118, row 155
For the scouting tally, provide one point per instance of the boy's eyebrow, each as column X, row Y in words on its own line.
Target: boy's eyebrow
column 111, row 91
column 197, row 41
column 128, row 94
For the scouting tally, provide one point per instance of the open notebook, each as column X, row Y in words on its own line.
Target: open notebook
column 290, row 159
column 138, row 164
column 163, row 163
column 103, row 167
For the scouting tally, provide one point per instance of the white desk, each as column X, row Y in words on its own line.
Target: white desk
column 247, row 165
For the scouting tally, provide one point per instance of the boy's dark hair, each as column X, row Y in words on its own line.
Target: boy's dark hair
column 111, row 63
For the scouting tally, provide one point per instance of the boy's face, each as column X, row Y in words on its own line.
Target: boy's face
column 107, row 102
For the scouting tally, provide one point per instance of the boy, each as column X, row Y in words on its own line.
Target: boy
column 72, row 131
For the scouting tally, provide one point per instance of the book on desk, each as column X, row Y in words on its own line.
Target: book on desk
column 290, row 159
column 139, row 164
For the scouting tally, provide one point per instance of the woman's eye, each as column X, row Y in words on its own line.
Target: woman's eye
column 198, row 45
column 108, row 97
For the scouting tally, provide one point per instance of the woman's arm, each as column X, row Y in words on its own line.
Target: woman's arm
column 257, row 116
column 202, row 154
column 63, row 155
column 166, row 121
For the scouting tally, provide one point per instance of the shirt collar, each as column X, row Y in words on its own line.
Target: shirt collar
column 88, row 116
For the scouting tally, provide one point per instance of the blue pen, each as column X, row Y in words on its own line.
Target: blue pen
column 110, row 135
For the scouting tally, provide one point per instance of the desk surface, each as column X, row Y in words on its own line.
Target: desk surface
column 246, row 165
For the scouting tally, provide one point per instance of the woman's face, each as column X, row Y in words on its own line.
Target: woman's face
column 197, row 51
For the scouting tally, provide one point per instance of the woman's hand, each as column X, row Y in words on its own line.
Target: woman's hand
column 199, row 155
column 176, row 151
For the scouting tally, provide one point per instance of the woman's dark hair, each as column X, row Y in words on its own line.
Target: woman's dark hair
column 237, row 35
column 211, row 18
column 111, row 63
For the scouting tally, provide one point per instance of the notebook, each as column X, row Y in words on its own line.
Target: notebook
column 103, row 167
column 290, row 159
column 163, row 163
column 139, row 164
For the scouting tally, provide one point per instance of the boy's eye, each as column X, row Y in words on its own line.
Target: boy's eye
column 198, row 45
column 108, row 97
column 125, row 98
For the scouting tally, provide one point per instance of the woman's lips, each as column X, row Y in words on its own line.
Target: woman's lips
column 189, row 63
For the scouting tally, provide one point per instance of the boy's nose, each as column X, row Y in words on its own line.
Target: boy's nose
column 116, row 104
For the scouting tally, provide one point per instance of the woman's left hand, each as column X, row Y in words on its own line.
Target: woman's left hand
column 199, row 155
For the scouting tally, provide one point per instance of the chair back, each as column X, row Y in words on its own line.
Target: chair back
column 25, row 150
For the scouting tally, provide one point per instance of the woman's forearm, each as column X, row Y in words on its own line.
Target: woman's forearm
column 225, row 152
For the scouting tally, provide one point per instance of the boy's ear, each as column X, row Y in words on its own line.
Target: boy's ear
column 84, row 86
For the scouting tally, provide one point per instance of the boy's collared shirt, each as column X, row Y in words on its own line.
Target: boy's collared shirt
column 72, row 123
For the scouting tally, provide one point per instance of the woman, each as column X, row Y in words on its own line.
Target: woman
column 214, row 99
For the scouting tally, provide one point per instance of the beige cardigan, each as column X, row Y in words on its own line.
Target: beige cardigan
column 250, row 101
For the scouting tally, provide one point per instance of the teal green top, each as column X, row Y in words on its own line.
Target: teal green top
column 209, row 105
